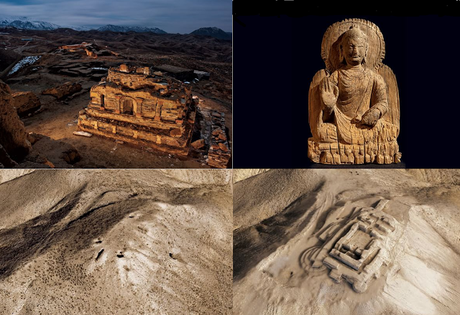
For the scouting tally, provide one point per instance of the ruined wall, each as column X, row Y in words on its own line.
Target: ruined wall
column 157, row 102
column 135, row 81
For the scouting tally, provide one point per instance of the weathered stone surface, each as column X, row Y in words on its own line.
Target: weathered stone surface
column 13, row 136
column 198, row 144
column 136, row 106
column 175, row 133
column 25, row 102
column 219, row 151
column 353, row 104
column 143, row 107
column 64, row 90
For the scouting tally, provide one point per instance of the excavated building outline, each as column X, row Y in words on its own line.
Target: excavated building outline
column 356, row 247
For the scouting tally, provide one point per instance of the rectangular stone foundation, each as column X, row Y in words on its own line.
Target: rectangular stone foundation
column 119, row 127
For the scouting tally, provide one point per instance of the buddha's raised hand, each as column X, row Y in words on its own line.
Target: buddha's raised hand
column 329, row 93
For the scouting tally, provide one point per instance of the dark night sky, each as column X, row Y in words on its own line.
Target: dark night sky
column 172, row 16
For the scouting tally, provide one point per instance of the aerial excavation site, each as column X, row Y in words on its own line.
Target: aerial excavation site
column 346, row 242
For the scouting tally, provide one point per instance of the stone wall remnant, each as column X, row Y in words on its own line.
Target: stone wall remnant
column 61, row 91
column 219, row 150
column 25, row 102
column 91, row 50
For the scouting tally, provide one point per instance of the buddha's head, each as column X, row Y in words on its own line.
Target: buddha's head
column 354, row 46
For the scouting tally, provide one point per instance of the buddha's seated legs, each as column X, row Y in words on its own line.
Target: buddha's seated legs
column 327, row 133
column 374, row 145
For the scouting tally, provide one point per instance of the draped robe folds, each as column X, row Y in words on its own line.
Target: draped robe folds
column 359, row 90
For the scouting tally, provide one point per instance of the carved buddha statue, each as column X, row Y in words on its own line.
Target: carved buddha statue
column 354, row 102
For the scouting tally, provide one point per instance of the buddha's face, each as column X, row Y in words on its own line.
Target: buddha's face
column 354, row 50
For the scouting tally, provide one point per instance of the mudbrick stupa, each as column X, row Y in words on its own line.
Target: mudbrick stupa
column 144, row 107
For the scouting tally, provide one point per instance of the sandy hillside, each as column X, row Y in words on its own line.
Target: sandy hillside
column 279, row 216
column 115, row 242
column 242, row 174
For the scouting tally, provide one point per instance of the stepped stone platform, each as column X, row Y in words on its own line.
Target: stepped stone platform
column 144, row 107
column 137, row 106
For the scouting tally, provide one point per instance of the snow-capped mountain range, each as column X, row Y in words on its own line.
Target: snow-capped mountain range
column 26, row 23
column 139, row 29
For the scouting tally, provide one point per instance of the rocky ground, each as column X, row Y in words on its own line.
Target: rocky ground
column 277, row 213
column 44, row 66
column 115, row 242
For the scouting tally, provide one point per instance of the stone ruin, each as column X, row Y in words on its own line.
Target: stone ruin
column 355, row 246
column 91, row 50
column 219, row 152
column 144, row 107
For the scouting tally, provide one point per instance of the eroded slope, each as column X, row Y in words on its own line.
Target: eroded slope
column 115, row 242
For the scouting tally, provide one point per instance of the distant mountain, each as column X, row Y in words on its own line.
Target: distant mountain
column 25, row 23
column 138, row 29
column 82, row 28
column 213, row 32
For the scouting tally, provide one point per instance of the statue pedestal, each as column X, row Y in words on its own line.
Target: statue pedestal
column 338, row 153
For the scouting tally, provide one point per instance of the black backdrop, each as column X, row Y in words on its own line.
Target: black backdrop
column 276, row 56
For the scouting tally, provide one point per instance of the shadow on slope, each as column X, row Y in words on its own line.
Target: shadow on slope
column 19, row 244
column 254, row 243
column 22, row 242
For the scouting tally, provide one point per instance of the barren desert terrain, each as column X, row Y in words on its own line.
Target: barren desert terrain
column 32, row 61
column 115, row 242
column 295, row 254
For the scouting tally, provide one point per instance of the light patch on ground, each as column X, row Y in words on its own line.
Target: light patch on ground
column 409, row 298
column 26, row 61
